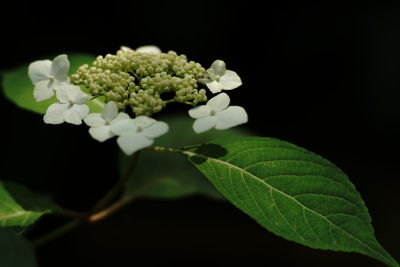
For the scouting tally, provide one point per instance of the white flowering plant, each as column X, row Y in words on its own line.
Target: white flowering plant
column 288, row 190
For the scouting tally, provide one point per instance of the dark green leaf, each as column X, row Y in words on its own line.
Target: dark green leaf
column 292, row 192
column 19, row 206
column 15, row 251
column 19, row 89
column 171, row 176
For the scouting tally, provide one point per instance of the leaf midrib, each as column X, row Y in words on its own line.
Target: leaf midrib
column 11, row 215
column 190, row 153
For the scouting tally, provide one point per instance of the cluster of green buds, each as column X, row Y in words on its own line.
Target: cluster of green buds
column 145, row 82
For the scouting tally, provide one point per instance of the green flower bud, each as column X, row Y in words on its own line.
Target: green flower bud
column 141, row 80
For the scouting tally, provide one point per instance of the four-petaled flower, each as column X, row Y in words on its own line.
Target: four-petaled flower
column 217, row 114
column 100, row 123
column 218, row 78
column 138, row 133
column 70, row 107
column 47, row 75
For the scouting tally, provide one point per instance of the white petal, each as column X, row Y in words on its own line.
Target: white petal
column 211, row 75
column 126, row 48
column 230, row 80
column 55, row 113
column 133, row 142
column 230, row 117
column 82, row 109
column 157, row 129
column 148, row 49
column 124, row 127
column 71, row 116
column 120, row 117
column 62, row 93
column 81, row 98
column 144, row 121
column 219, row 102
column 76, row 95
column 205, row 80
column 101, row 134
column 60, row 68
column 43, row 90
column 204, row 124
column 76, row 113
column 218, row 67
column 109, row 111
column 200, row 112
column 70, row 93
column 214, row 86
column 94, row 120
column 39, row 70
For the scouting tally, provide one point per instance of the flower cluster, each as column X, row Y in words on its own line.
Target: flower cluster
column 142, row 79
column 145, row 80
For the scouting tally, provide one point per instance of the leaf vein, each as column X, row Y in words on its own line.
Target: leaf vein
column 235, row 155
column 5, row 203
column 325, row 195
column 256, row 203
column 11, row 215
column 283, row 216
column 302, row 175
column 189, row 153
column 309, row 225
column 287, row 160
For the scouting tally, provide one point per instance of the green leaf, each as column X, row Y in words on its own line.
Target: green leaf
column 21, row 207
column 292, row 192
column 19, row 89
column 15, row 251
column 171, row 176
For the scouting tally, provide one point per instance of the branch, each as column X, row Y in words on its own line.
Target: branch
column 107, row 198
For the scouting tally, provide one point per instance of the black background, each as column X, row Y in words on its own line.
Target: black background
column 323, row 75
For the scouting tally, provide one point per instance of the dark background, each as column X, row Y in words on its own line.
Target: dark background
column 323, row 75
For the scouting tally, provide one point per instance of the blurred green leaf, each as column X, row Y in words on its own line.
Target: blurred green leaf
column 21, row 207
column 15, row 251
column 160, row 175
column 18, row 87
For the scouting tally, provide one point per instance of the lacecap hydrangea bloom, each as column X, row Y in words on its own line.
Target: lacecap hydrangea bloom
column 47, row 75
column 218, row 78
column 135, row 134
column 132, row 86
column 100, row 123
column 217, row 114
column 70, row 106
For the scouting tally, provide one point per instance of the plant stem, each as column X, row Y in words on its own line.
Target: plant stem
column 92, row 218
column 71, row 213
column 164, row 149
column 96, row 214
column 110, row 210
column 107, row 198
column 56, row 233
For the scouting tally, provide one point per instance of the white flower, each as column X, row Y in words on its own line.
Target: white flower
column 217, row 114
column 100, row 123
column 125, row 48
column 143, row 49
column 138, row 133
column 70, row 107
column 218, row 78
column 148, row 49
column 46, row 75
